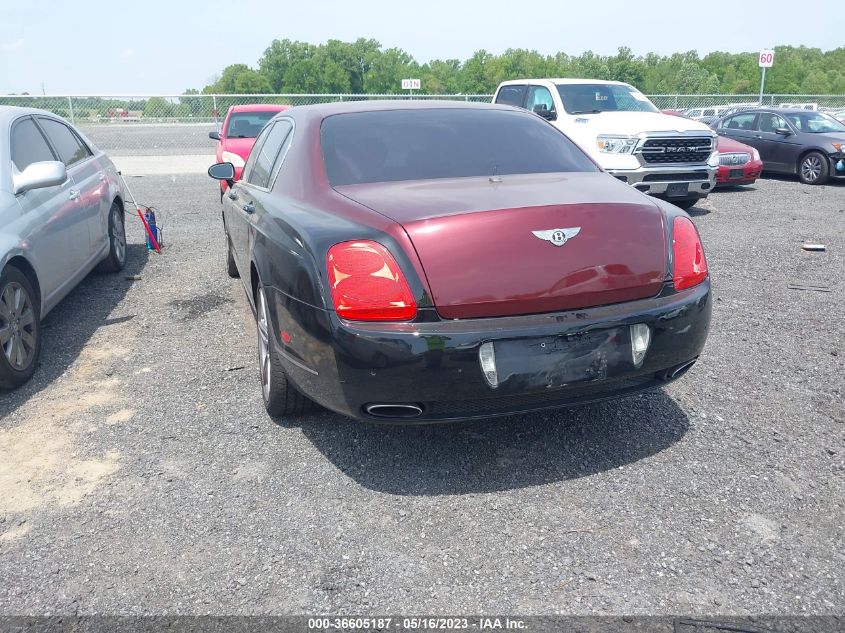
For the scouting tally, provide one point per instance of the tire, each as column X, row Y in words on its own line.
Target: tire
column 686, row 203
column 813, row 168
column 231, row 266
column 116, row 259
column 20, row 328
column 281, row 398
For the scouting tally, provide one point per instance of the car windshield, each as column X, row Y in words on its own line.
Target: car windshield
column 424, row 144
column 247, row 124
column 814, row 122
column 591, row 98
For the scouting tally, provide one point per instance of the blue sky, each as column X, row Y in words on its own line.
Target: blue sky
column 166, row 46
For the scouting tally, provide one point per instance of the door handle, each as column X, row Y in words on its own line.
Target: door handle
column 758, row 136
column 73, row 194
column 249, row 207
column 232, row 195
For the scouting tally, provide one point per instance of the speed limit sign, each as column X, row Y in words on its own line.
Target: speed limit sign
column 767, row 58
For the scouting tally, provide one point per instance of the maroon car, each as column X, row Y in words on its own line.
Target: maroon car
column 739, row 164
column 433, row 261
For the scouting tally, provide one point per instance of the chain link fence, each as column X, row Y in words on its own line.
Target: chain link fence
column 154, row 125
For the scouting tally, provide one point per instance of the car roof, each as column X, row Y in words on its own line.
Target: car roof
column 773, row 109
column 376, row 105
column 258, row 107
column 565, row 80
column 8, row 113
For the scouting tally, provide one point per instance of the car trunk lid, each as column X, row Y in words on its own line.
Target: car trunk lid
column 489, row 248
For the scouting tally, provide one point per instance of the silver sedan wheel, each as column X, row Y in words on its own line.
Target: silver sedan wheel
column 265, row 365
column 811, row 168
column 17, row 326
column 118, row 236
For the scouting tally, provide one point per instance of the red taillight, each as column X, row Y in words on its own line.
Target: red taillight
column 367, row 284
column 690, row 264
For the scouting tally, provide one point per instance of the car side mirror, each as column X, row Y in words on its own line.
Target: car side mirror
column 541, row 110
column 223, row 171
column 48, row 173
column 783, row 131
column 214, row 136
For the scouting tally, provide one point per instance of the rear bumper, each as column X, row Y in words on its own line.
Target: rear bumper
column 547, row 360
column 656, row 180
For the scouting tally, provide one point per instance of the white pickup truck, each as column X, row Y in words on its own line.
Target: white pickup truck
column 666, row 156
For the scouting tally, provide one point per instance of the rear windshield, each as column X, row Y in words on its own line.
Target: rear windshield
column 393, row 145
column 247, row 124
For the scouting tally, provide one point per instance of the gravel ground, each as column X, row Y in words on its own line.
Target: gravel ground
column 140, row 474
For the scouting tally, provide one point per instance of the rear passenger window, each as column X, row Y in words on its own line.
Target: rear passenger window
column 277, row 167
column 743, row 121
column 29, row 145
column 253, row 154
column 512, row 95
column 70, row 148
column 260, row 175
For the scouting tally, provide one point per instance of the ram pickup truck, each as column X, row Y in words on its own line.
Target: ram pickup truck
column 666, row 156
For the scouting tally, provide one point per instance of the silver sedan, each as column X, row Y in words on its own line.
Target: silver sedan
column 61, row 216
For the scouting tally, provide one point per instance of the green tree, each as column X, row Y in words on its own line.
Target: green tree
column 386, row 71
column 158, row 107
column 363, row 65
column 251, row 82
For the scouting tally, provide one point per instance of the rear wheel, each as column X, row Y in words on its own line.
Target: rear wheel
column 116, row 259
column 20, row 328
column 280, row 397
column 813, row 169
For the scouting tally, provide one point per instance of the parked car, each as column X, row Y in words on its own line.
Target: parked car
column 414, row 261
column 625, row 133
column 61, row 215
column 791, row 141
column 739, row 164
column 705, row 115
column 734, row 108
column 242, row 125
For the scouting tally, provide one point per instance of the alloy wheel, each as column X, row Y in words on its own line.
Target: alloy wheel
column 17, row 326
column 118, row 235
column 265, row 365
column 811, row 168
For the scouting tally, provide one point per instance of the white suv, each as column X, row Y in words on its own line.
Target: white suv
column 667, row 156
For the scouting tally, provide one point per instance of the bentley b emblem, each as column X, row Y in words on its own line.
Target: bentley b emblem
column 558, row 237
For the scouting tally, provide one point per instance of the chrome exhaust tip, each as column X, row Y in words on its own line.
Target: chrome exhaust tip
column 382, row 410
column 682, row 368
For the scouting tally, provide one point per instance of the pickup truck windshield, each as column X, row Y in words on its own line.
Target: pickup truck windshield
column 591, row 98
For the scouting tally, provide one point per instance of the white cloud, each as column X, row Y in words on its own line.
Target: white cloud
column 129, row 52
column 14, row 44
